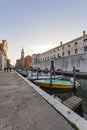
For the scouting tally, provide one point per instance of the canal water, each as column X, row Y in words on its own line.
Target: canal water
column 81, row 92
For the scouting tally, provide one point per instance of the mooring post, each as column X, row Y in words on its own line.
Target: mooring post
column 51, row 71
column 37, row 73
column 54, row 73
column 74, row 75
column 50, row 78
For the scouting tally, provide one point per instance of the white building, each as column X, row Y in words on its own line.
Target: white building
column 63, row 54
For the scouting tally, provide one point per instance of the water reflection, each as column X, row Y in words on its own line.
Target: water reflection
column 82, row 92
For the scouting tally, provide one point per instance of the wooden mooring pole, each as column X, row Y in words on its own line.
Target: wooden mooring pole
column 74, row 75
column 51, row 71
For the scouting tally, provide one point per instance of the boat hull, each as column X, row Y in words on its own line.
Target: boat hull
column 58, row 90
column 56, row 86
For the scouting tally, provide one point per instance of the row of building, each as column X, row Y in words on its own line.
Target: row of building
column 23, row 62
column 65, row 56
column 4, row 61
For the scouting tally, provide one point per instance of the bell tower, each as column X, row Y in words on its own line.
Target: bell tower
column 22, row 53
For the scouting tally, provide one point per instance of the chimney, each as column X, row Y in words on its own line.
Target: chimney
column 84, row 33
column 61, row 43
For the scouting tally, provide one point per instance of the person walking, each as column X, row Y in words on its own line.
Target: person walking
column 10, row 69
column 4, row 69
column 7, row 69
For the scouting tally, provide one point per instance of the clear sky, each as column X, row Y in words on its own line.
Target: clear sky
column 39, row 25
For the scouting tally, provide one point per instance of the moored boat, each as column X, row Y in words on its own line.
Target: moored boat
column 57, row 84
column 41, row 77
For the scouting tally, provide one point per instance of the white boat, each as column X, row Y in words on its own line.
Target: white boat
column 41, row 77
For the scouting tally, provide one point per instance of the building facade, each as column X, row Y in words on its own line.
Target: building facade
column 24, row 62
column 28, row 62
column 20, row 63
column 3, row 54
column 65, row 56
column 8, row 63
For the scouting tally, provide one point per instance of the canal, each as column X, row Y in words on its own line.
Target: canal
column 81, row 92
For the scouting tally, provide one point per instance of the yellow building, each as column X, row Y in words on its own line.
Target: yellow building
column 3, row 54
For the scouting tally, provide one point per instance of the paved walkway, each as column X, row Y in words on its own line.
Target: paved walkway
column 22, row 108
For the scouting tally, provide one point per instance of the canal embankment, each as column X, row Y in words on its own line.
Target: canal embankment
column 24, row 106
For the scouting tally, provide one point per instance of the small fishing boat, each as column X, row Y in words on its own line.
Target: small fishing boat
column 57, row 84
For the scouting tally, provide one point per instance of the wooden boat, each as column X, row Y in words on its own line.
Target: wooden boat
column 57, row 84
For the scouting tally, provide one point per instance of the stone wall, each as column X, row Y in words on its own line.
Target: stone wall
column 66, row 63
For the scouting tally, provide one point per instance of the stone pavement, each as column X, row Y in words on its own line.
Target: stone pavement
column 22, row 108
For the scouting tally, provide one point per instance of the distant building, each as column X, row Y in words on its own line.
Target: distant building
column 8, row 63
column 65, row 56
column 3, row 54
column 35, row 60
column 28, row 62
column 24, row 62
column 20, row 63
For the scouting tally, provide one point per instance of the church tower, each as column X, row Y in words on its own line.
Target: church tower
column 22, row 60
column 22, row 53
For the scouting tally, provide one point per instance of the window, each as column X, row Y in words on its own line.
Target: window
column 63, row 47
column 36, row 60
column 58, row 49
column 68, row 45
column 85, row 39
column 76, row 51
column 85, row 48
column 68, row 53
column 63, row 54
column 75, row 43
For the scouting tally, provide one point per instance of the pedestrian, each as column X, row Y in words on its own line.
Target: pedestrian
column 10, row 69
column 4, row 69
column 7, row 69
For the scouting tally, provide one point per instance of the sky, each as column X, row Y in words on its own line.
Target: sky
column 40, row 25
